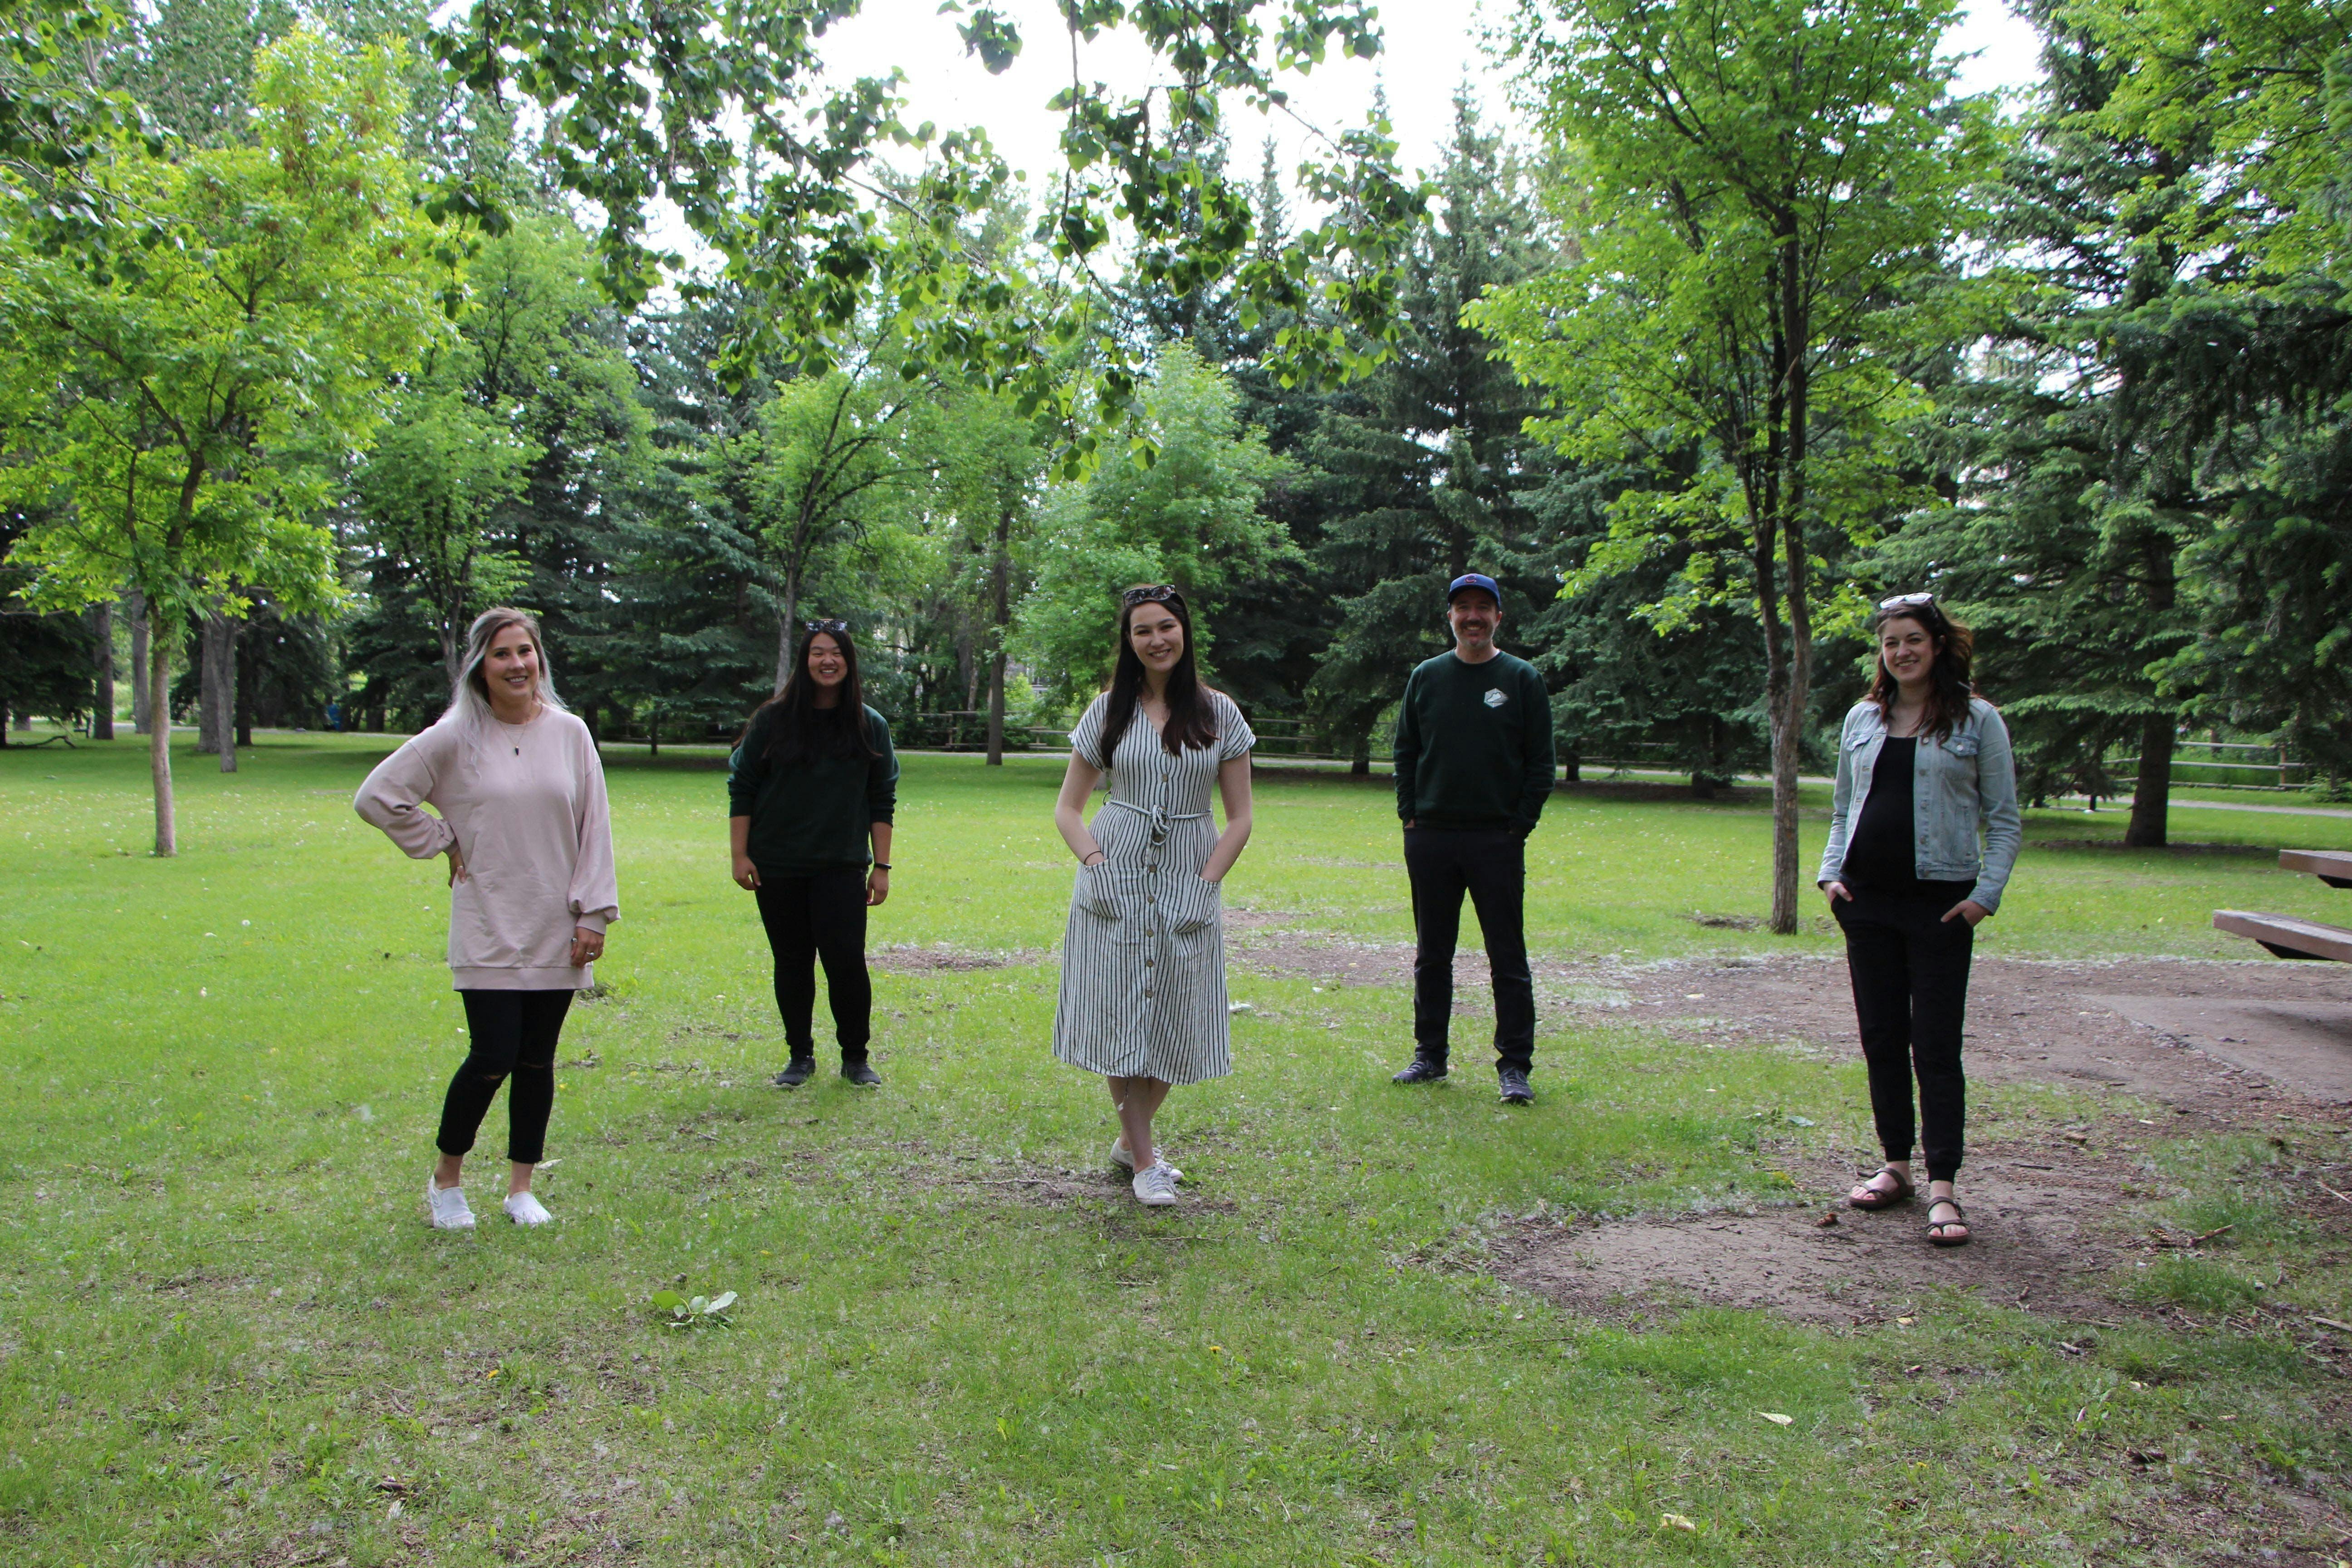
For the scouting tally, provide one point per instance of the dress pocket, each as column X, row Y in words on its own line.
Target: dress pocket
column 1198, row 902
column 1092, row 892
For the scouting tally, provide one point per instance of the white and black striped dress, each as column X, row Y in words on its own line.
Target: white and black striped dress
column 1139, row 998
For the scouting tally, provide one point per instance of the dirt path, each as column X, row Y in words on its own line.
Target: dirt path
column 2215, row 1035
column 2181, row 1045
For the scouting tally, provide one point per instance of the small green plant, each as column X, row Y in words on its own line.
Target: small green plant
column 695, row 1312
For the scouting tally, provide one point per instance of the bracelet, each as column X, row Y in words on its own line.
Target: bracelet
column 1084, row 861
column 881, row 865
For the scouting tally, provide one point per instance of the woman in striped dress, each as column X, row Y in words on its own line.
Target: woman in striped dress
column 1143, row 961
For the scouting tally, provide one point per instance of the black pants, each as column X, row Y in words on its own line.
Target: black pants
column 1910, row 971
column 1491, row 866
column 809, row 918
column 514, row 1034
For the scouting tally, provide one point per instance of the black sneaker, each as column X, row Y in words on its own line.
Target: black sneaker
column 798, row 1071
column 1514, row 1082
column 861, row 1073
column 1421, row 1069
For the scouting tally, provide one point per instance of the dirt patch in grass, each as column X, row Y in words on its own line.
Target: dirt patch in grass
column 2185, row 1045
column 908, row 958
column 2034, row 1248
column 2234, row 1041
column 1108, row 1189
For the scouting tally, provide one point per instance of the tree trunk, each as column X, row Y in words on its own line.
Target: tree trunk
column 136, row 603
column 101, row 692
column 2152, row 790
column 1571, row 760
column 159, row 741
column 216, row 710
column 1777, row 713
column 208, row 703
column 242, row 677
column 23, row 720
column 1001, row 616
column 784, row 633
column 1360, row 763
column 996, row 708
column 1794, row 334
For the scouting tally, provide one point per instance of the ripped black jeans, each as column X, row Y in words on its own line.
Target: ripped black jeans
column 514, row 1036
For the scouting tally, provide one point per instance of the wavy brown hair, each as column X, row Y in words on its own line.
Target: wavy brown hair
column 1192, row 722
column 1949, row 685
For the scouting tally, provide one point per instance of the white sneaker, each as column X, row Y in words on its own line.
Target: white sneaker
column 446, row 1206
column 1125, row 1160
column 1155, row 1184
column 524, row 1209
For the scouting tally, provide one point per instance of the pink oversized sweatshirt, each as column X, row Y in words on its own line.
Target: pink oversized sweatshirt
column 525, row 805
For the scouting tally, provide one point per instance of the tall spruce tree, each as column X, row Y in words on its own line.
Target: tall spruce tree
column 1425, row 471
column 2079, row 479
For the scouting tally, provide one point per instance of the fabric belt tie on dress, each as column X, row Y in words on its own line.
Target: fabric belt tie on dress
column 1159, row 817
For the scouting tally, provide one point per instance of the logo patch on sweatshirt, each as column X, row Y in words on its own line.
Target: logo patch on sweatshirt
column 1495, row 698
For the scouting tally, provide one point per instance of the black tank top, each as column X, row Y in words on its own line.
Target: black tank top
column 1878, row 852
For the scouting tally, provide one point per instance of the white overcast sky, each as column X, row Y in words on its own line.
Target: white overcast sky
column 1432, row 46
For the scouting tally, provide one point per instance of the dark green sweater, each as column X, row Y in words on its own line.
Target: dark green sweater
column 814, row 815
column 1474, row 745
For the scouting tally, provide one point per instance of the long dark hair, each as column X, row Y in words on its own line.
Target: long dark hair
column 1949, row 683
column 801, row 729
column 1191, row 720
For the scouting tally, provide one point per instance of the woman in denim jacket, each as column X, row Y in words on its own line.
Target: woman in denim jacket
column 1924, row 768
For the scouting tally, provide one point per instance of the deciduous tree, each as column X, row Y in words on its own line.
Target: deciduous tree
column 173, row 394
column 1765, row 194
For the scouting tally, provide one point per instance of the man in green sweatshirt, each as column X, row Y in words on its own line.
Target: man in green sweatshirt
column 1474, row 766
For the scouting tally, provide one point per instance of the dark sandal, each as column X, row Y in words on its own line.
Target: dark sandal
column 1940, row 1230
column 1865, row 1196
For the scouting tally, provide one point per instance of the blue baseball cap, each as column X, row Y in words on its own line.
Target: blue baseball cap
column 1479, row 580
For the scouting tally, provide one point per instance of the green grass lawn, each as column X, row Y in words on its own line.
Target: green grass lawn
column 226, row 1337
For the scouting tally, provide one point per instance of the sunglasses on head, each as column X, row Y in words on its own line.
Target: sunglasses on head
column 1906, row 601
column 838, row 628
column 1158, row 594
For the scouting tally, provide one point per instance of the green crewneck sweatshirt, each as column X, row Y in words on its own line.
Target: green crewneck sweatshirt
column 1474, row 745
column 816, row 815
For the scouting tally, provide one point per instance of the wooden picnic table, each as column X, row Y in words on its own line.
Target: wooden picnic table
column 2333, row 867
column 2289, row 936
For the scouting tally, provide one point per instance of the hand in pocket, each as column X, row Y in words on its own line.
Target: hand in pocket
column 1094, row 894
column 1196, row 906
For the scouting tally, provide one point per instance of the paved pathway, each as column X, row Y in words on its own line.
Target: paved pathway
column 2249, row 805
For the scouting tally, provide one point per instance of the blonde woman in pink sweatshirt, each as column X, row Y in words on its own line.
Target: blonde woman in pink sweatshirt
column 520, row 793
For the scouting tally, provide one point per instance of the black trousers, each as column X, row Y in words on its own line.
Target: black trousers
column 1910, row 971
column 1491, row 866
column 514, row 1033
column 813, row 918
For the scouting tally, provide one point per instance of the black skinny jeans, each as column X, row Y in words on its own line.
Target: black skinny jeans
column 1491, row 866
column 514, row 1036
column 812, row 918
column 1910, row 971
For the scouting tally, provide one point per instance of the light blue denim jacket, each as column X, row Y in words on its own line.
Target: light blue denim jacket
column 1965, row 781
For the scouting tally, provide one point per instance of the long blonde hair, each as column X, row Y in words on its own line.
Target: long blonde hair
column 470, row 695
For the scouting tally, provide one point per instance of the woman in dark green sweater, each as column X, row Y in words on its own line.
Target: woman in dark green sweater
column 812, row 784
